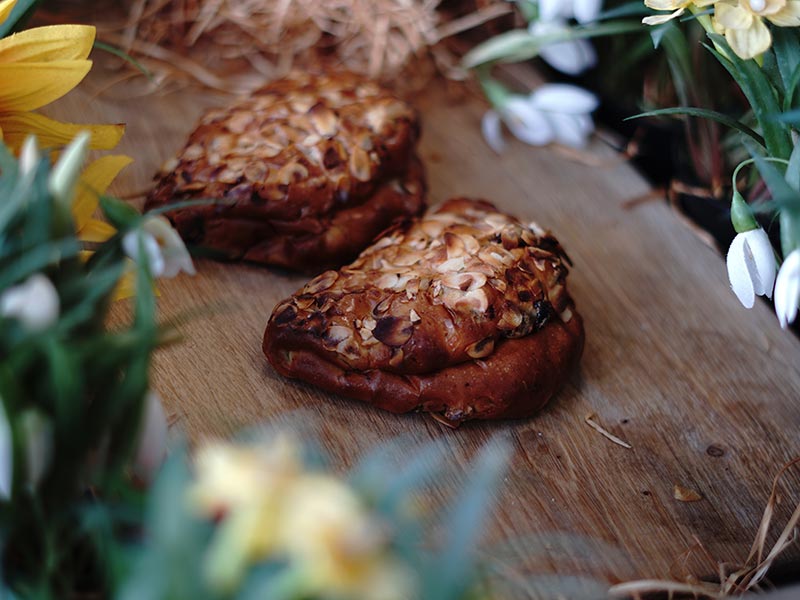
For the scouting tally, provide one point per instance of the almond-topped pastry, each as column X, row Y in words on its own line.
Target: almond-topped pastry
column 464, row 314
column 308, row 171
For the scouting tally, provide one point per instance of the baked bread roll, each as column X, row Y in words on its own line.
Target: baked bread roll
column 463, row 314
column 309, row 170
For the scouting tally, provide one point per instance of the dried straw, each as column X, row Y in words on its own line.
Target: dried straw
column 208, row 40
column 736, row 581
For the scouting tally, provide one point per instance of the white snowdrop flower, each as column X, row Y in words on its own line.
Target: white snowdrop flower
column 152, row 445
column 552, row 113
column 34, row 303
column 787, row 289
column 584, row 11
column 572, row 57
column 164, row 249
column 65, row 173
column 751, row 266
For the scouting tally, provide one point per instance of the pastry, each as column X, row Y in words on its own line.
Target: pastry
column 463, row 314
column 307, row 171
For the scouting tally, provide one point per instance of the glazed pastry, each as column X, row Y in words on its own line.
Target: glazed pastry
column 463, row 314
column 308, row 171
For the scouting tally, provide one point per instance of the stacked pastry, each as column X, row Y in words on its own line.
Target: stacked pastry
column 306, row 173
column 464, row 314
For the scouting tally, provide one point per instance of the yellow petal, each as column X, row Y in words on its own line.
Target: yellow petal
column 750, row 42
column 96, row 231
column 94, row 182
column 28, row 86
column 665, row 4
column 51, row 133
column 733, row 17
column 6, row 6
column 42, row 44
column 789, row 16
column 126, row 288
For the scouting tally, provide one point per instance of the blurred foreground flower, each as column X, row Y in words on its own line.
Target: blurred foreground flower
column 34, row 303
column 270, row 506
column 164, row 249
column 152, row 443
column 787, row 289
column 39, row 66
column 552, row 113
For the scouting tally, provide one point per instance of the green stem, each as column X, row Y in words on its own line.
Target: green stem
column 741, row 214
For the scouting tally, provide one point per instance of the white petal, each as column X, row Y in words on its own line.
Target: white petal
column 526, row 123
column 176, row 257
column 155, row 260
column 587, row 11
column 661, row 19
column 738, row 273
column 564, row 98
column 34, row 303
column 492, row 131
column 572, row 57
column 6, row 456
column 787, row 289
column 152, row 447
column 29, row 155
column 570, row 130
column 761, row 261
column 550, row 10
column 65, row 173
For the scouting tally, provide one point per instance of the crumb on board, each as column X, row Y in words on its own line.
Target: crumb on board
column 684, row 494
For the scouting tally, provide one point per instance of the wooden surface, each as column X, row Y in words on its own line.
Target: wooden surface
column 704, row 391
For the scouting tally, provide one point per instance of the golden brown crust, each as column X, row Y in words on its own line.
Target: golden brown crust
column 289, row 163
column 464, row 313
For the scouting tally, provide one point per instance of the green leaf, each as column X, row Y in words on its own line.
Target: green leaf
column 519, row 45
column 702, row 113
column 761, row 96
column 118, row 52
column 793, row 169
column 120, row 214
column 786, row 49
column 20, row 14
column 452, row 573
column 629, row 9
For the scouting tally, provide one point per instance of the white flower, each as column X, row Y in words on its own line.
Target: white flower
column 554, row 112
column 751, row 266
column 584, row 11
column 152, row 443
column 166, row 254
column 65, row 173
column 6, row 455
column 572, row 57
column 34, row 303
column 787, row 289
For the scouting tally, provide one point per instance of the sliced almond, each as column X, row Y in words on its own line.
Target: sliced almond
column 321, row 282
column 481, row 349
column 684, row 494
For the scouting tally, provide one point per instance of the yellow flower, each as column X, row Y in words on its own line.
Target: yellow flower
column 336, row 545
column 270, row 508
column 742, row 22
column 39, row 66
column 678, row 7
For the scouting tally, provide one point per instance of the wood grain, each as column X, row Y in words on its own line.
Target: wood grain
column 705, row 392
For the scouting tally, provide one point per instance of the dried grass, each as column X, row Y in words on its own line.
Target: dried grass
column 733, row 581
column 235, row 45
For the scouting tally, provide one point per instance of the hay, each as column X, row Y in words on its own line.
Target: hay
column 239, row 44
column 733, row 581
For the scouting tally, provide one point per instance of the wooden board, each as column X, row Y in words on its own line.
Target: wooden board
column 704, row 391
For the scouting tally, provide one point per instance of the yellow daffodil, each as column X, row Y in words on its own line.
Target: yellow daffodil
column 39, row 66
column 742, row 23
column 270, row 508
column 677, row 8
